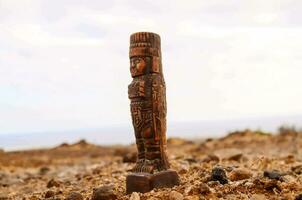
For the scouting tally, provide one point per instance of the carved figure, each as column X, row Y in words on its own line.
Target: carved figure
column 147, row 93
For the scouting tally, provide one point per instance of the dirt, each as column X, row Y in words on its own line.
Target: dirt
column 256, row 166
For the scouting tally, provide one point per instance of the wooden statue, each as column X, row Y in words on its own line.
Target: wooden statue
column 147, row 93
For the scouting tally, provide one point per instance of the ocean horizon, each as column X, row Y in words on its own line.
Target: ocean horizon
column 123, row 134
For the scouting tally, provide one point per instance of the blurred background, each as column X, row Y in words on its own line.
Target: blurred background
column 228, row 65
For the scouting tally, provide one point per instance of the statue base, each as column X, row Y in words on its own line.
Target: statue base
column 145, row 182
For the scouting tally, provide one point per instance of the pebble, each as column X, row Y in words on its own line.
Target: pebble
column 74, row 196
column 44, row 170
column 191, row 160
column 239, row 174
column 297, row 169
column 204, row 188
column 210, row 158
column 189, row 190
column 183, row 169
column 175, row 196
column 53, row 183
column 272, row 175
column 218, row 174
column 103, row 193
column 49, row 193
column 271, row 184
column 95, row 171
column 298, row 197
column 134, row 196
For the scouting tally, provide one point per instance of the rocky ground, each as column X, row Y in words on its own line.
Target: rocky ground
column 243, row 165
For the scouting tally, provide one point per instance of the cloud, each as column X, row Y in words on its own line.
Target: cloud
column 34, row 35
column 66, row 63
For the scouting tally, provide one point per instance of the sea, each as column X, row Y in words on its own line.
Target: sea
column 123, row 134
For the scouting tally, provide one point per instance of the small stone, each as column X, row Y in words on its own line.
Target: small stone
column 49, row 193
column 229, row 168
column 96, row 170
column 134, row 196
column 53, row 183
column 298, row 197
column 74, row 196
column 213, row 184
column 297, row 169
column 204, row 188
column 239, row 174
column 183, row 169
column 258, row 197
column 219, row 194
column 218, row 174
column 191, row 160
column 103, row 193
column 211, row 158
column 289, row 159
column 44, row 170
column 271, row 184
column 248, row 184
column 272, row 175
column 189, row 190
column 176, row 196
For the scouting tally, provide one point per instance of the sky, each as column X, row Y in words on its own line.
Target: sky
column 64, row 63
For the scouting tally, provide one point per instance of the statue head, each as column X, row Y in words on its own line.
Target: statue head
column 145, row 53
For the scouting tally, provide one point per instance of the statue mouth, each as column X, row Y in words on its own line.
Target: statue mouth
column 133, row 70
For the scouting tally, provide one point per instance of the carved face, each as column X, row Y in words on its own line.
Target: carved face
column 137, row 66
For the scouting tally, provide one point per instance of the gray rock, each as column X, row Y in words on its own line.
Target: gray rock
column 272, row 174
column 218, row 174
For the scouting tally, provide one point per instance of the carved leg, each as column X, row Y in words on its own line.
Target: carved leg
column 156, row 158
column 137, row 124
column 155, row 153
column 140, row 156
